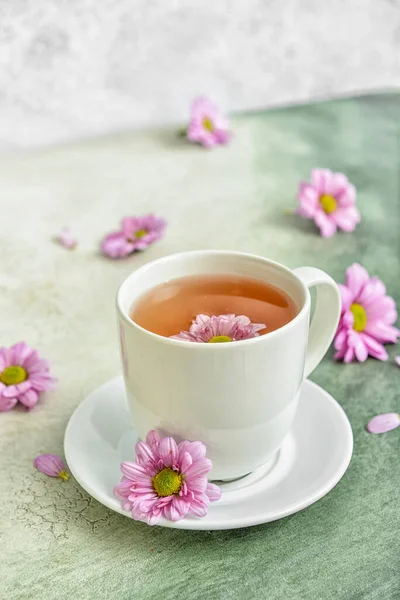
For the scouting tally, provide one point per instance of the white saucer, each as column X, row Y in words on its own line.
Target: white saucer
column 313, row 458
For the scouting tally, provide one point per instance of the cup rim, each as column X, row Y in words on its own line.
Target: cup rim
column 216, row 347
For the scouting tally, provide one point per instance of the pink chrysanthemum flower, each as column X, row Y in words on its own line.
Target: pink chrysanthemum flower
column 208, row 126
column 330, row 200
column 367, row 318
column 23, row 376
column 222, row 328
column 137, row 233
column 167, row 480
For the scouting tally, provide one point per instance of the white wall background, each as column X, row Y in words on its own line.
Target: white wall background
column 73, row 68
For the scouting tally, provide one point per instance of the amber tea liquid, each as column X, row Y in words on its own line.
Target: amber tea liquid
column 170, row 307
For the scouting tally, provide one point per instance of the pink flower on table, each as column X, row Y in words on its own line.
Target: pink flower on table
column 330, row 199
column 367, row 318
column 67, row 239
column 51, row 465
column 23, row 376
column 222, row 328
column 136, row 233
column 208, row 126
column 167, row 480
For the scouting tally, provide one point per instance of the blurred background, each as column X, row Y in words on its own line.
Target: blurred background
column 76, row 68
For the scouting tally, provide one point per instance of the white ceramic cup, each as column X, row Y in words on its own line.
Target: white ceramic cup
column 238, row 398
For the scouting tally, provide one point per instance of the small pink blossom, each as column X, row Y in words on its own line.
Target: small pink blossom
column 367, row 318
column 23, row 376
column 330, row 200
column 208, row 126
column 222, row 328
column 167, row 480
column 67, row 239
column 136, row 233
column 384, row 423
column 51, row 465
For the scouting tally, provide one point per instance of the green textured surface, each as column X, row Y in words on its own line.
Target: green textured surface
column 57, row 542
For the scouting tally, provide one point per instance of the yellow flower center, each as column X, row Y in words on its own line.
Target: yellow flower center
column 140, row 233
column 13, row 375
column 64, row 475
column 360, row 317
column 328, row 203
column 218, row 339
column 167, row 482
column 208, row 124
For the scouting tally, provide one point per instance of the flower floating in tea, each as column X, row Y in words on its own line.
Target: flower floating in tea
column 23, row 376
column 367, row 318
column 222, row 328
column 166, row 480
column 136, row 233
column 51, row 465
column 208, row 126
column 384, row 423
column 330, row 199
column 67, row 239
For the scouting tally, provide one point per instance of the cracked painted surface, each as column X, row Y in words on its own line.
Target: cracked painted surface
column 56, row 542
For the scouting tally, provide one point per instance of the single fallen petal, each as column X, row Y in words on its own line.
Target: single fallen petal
column 67, row 239
column 51, row 465
column 383, row 423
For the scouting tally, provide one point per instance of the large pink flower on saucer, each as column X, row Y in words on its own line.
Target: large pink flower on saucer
column 222, row 328
column 330, row 199
column 136, row 233
column 208, row 126
column 23, row 376
column 167, row 480
column 367, row 318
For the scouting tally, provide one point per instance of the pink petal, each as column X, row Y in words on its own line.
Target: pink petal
column 49, row 464
column 375, row 349
column 144, row 454
column 323, row 181
column 346, row 196
column 213, row 492
column 168, row 451
column 346, row 218
column 29, row 398
column 361, row 350
column 21, row 352
column 198, row 511
column 7, row 403
column 308, row 199
column 197, row 485
column 197, row 450
column 185, row 462
column 346, row 296
column 349, row 355
column 135, row 472
column 198, row 468
column 356, row 278
column 381, row 332
column 116, row 246
column 11, row 391
column 326, row 225
column 67, row 239
column 153, row 439
column 383, row 423
column 397, row 360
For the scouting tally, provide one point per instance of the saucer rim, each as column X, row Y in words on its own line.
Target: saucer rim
column 203, row 524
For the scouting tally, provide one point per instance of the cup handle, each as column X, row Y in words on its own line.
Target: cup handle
column 326, row 316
